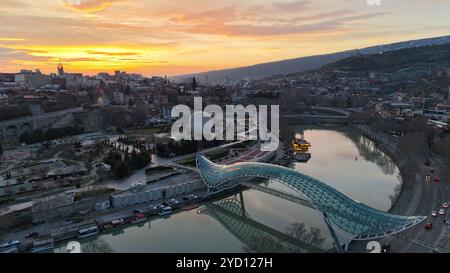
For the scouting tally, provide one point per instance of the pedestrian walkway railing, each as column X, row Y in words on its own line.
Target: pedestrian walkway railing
column 425, row 244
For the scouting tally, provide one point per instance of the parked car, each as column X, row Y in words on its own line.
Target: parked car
column 190, row 197
column 437, row 179
column 138, row 211
column 10, row 244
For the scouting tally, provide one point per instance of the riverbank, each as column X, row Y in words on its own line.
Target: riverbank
column 417, row 197
column 409, row 189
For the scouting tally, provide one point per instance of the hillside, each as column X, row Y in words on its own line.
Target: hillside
column 303, row 64
column 392, row 61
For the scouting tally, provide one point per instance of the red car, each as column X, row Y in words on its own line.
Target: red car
column 429, row 226
column 437, row 179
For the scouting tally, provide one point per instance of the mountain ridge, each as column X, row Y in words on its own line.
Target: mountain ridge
column 301, row 64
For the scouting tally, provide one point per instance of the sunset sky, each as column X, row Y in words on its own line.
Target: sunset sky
column 170, row 37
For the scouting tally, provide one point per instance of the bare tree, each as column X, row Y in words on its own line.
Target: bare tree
column 414, row 147
column 312, row 236
column 97, row 246
column 264, row 244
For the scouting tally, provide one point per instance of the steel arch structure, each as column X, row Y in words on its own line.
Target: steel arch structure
column 351, row 219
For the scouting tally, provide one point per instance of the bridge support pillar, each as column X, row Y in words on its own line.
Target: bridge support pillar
column 337, row 243
column 241, row 199
column 347, row 244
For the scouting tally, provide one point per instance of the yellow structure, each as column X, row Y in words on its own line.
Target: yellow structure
column 300, row 145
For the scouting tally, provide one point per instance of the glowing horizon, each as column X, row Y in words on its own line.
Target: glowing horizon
column 155, row 37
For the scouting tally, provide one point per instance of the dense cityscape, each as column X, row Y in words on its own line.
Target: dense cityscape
column 78, row 150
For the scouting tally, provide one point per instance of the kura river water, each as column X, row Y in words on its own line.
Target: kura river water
column 255, row 221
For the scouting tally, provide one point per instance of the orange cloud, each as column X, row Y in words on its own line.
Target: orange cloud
column 90, row 6
column 6, row 39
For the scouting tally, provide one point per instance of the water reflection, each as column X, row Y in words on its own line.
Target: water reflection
column 259, row 237
column 368, row 150
column 351, row 163
column 97, row 246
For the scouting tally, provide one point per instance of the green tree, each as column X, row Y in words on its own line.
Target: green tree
column 122, row 170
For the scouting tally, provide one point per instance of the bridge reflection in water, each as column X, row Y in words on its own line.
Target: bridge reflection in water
column 346, row 218
column 257, row 237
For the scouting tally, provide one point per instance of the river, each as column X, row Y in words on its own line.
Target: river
column 255, row 221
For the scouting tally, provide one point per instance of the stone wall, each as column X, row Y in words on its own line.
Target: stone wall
column 130, row 198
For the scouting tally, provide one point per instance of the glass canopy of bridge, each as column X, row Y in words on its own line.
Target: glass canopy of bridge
column 350, row 219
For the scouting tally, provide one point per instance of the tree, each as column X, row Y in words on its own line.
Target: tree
column 414, row 147
column 138, row 116
column 442, row 148
column 287, row 133
column 194, row 84
column 264, row 244
column 122, row 170
column 313, row 236
column 97, row 246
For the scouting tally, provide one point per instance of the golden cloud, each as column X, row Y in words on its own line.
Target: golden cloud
column 89, row 6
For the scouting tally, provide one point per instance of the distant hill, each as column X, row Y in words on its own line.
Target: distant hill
column 303, row 64
column 429, row 57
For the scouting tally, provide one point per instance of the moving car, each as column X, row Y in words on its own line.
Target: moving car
column 428, row 226
column 434, row 213
column 441, row 212
column 32, row 234
column 445, row 205
column 437, row 179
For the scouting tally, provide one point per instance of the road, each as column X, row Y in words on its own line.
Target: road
column 432, row 196
column 427, row 196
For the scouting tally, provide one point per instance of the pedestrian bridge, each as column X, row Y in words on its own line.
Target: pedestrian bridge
column 350, row 219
